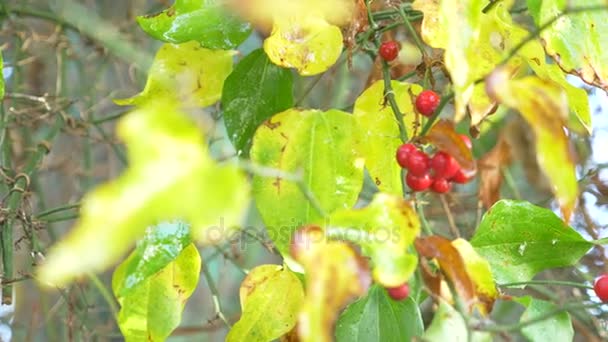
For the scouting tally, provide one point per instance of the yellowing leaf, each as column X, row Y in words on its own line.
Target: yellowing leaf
column 320, row 147
column 431, row 29
column 188, row 73
column 170, row 177
column 544, row 105
column 479, row 270
column 385, row 230
column 336, row 12
column 271, row 297
column 379, row 129
column 443, row 135
column 153, row 309
column 310, row 45
column 577, row 42
column 334, row 275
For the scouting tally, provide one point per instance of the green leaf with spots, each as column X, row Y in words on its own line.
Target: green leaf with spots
column 386, row 230
column 170, row 176
column 256, row 90
column 379, row 129
column 577, row 41
column 204, row 21
column 160, row 245
column 377, row 317
column 187, row 73
column 519, row 240
column 318, row 150
column 271, row 297
column 557, row 328
column 152, row 309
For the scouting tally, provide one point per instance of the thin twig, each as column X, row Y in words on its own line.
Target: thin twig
column 448, row 213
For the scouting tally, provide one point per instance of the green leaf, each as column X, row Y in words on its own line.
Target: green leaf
column 256, row 90
column 557, row 328
column 577, row 42
column 377, row 125
column 448, row 325
column 271, row 297
column 377, row 317
column 320, row 148
column 160, row 245
column 544, row 106
column 520, row 239
column 187, row 73
column 1, row 77
column 152, row 309
column 385, row 230
column 204, row 21
column 170, row 176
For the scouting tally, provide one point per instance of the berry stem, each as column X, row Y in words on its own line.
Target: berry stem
column 390, row 96
column 433, row 118
column 412, row 32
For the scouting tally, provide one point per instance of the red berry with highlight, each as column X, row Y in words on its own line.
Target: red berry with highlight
column 467, row 141
column 418, row 183
column 441, row 185
column 444, row 165
column 403, row 153
column 418, row 163
column 399, row 292
column 389, row 50
column 427, row 102
column 601, row 287
column 461, row 178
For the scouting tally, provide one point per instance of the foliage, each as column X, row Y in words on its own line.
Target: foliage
column 324, row 179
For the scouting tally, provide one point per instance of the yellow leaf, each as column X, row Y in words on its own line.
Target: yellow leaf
column 170, row 177
column 188, row 73
column 544, row 105
column 310, row 45
column 271, row 297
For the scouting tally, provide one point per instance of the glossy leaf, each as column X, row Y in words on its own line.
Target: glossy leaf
column 152, row 309
column 556, row 328
column 271, row 297
column 377, row 317
column 379, row 129
column 520, row 239
column 309, row 44
column 256, row 90
column 385, row 230
column 480, row 273
column 320, row 149
column 160, row 246
column 170, row 177
column 545, row 107
column 204, row 21
column 443, row 135
column 577, row 41
column 448, row 325
column 335, row 274
column 188, row 73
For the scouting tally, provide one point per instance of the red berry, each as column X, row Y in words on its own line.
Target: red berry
column 444, row 165
column 418, row 163
column 601, row 287
column 427, row 102
column 403, row 153
column 418, row 183
column 460, row 178
column 467, row 141
column 441, row 185
column 399, row 292
column 389, row 50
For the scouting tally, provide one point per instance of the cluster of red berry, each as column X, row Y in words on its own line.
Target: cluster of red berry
column 436, row 172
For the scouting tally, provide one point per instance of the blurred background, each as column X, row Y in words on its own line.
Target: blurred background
column 68, row 59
